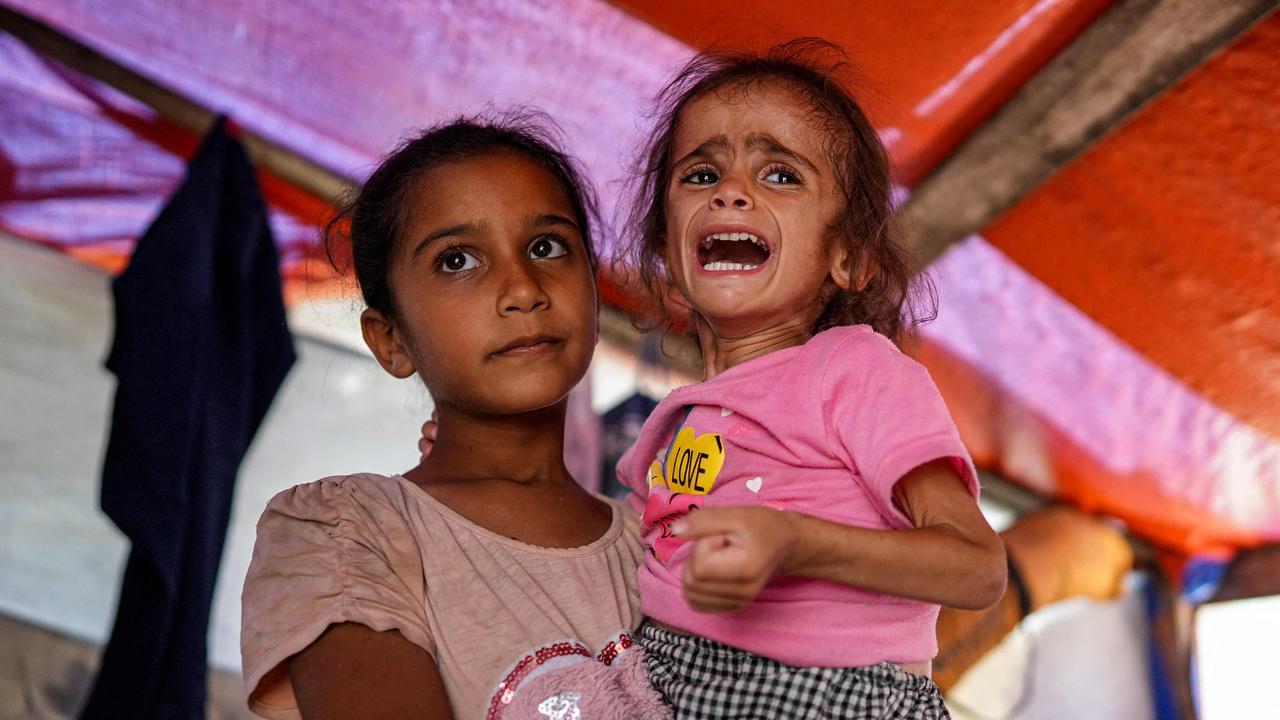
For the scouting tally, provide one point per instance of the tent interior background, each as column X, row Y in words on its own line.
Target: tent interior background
column 1093, row 178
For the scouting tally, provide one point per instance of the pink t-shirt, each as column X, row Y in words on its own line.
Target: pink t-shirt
column 825, row 429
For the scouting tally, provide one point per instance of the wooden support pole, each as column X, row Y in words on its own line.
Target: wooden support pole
column 1128, row 56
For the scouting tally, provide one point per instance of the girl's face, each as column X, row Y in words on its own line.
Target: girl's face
column 495, row 298
column 750, row 204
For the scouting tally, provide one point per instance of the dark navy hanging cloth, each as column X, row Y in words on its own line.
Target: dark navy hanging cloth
column 201, row 346
column 621, row 426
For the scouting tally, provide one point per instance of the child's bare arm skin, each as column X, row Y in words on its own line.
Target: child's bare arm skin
column 351, row 671
column 951, row 557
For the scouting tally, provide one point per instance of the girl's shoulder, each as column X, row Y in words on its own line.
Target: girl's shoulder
column 361, row 503
column 855, row 350
column 337, row 493
column 850, row 337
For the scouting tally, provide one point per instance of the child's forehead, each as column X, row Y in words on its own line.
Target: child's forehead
column 490, row 188
column 501, row 170
column 735, row 111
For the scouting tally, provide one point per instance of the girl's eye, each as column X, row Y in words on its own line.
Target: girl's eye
column 456, row 261
column 547, row 247
column 782, row 176
column 700, row 176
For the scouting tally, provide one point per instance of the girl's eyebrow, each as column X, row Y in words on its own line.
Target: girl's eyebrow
column 768, row 143
column 463, row 229
column 719, row 142
column 755, row 141
column 538, row 220
column 549, row 219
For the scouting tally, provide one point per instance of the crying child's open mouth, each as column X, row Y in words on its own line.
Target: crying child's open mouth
column 732, row 251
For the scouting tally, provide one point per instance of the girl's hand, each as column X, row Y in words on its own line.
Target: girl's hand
column 428, row 439
column 735, row 552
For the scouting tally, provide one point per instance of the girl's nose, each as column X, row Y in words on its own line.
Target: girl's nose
column 732, row 192
column 522, row 293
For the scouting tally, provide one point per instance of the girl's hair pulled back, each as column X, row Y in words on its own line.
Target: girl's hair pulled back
column 371, row 222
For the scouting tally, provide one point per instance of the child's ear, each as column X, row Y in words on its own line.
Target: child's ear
column 849, row 275
column 384, row 340
column 841, row 272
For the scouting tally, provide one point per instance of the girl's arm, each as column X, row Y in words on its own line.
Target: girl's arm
column 351, row 671
column 951, row 556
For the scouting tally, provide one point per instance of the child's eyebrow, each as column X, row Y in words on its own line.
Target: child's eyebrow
column 463, row 229
column 719, row 142
column 549, row 219
column 768, row 143
column 755, row 141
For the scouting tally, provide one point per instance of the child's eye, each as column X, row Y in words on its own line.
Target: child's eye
column 782, row 175
column 456, row 261
column 548, row 246
column 701, row 175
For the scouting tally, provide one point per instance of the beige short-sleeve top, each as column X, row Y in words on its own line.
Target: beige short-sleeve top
column 379, row 551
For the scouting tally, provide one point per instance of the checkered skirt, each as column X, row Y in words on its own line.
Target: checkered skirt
column 706, row 680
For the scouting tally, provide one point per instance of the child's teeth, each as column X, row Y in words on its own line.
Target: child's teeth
column 732, row 237
column 728, row 266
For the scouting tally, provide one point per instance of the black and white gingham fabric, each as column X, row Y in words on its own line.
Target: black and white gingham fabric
column 706, row 680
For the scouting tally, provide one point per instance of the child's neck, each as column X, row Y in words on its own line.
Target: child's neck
column 724, row 348
column 526, row 449
column 507, row 475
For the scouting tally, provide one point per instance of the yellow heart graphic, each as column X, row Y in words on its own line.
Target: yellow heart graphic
column 655, row 474
column 694, row 462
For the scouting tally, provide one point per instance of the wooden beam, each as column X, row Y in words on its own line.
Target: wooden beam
column 1128, row 56
column 290, row 166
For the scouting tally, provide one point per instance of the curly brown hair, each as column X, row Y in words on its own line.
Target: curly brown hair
column 894, row 298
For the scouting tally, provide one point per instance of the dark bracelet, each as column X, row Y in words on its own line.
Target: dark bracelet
column 1015, row 580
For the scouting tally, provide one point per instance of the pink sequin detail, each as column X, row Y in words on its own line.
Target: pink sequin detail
column 524, row 667
column 614, row 649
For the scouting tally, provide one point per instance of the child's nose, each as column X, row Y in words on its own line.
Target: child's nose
column 731, row 192
column 522, row 293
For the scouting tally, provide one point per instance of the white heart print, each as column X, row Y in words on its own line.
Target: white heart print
column 754, row 484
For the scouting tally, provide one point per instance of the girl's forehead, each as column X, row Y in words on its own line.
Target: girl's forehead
column 499, row 188
column 479, row 179
column 734, row 112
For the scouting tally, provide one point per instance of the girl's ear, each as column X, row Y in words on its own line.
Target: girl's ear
column 384, row 340
column 849, row 275
column 841, row 272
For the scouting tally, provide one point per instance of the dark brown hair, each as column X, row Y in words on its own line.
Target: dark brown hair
column 893, row 299
column 374, row 218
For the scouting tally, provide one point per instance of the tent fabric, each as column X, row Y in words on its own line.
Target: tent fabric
column 1166, row 231
column 342, row 83
column 201, row 346
column 86, row 169
column 923, row 102
column 1045, row 352
column 1071, row 411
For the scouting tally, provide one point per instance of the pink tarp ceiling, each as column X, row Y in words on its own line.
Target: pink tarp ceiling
column 1042, row 391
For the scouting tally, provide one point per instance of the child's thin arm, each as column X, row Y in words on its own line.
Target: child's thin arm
column 352, row 671
column 951, row 557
